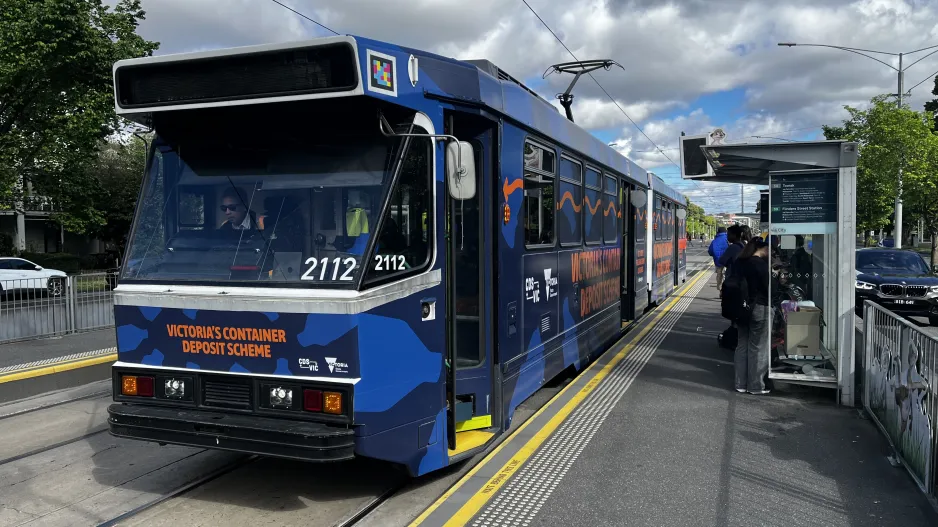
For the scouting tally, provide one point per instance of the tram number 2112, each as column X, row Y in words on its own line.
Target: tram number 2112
column 324, row 264
column 389, row 262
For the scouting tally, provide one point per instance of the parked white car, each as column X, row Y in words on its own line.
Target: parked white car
column 23, row 275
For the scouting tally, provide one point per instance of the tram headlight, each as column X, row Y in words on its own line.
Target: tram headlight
column 281, row 397
column 174, row 388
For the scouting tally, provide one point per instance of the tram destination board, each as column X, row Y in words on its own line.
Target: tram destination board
column 802, row 200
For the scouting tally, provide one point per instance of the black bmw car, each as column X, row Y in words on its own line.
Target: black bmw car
column 901, row 281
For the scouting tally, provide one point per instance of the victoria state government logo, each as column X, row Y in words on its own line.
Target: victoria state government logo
column 336, row 366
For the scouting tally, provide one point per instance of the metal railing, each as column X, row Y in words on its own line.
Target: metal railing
column 900, row 380
column 44, row 307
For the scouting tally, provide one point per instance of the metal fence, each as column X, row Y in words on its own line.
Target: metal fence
column 900, row 383
column 39, row 307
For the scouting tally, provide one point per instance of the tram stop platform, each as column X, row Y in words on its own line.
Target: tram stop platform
column 653, row 433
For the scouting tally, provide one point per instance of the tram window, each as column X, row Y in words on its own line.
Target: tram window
column 539, row 187
column 569, row 223
column 610, row 211
column 668, row 226
column 403, row 246
column 593, row 178
column 538, row 158
column 657, row 220
column 670, row 221
column 191, row 211
column 592, row 207
column 664, row 221
column 291, row 205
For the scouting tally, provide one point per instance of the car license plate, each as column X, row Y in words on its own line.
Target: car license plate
column 904, row 302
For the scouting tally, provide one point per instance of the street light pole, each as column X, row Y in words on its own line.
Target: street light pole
column 897, row 234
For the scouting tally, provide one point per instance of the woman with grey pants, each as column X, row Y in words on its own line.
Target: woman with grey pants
column 752, row 357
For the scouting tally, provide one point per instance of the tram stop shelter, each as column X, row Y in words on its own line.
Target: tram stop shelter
column 811, row 205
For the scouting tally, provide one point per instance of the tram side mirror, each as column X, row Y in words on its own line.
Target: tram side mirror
column 460, row 170
column 681, row 213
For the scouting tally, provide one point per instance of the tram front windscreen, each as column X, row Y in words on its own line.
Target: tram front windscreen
column 258, row 206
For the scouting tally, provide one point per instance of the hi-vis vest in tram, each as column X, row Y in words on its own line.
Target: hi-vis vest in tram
column 356, row 222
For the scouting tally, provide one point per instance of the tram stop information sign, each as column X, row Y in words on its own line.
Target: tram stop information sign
column 803, row 203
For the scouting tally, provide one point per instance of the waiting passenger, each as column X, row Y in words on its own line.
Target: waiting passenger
column 752, row 357
column 717, row 247
column 734, row 236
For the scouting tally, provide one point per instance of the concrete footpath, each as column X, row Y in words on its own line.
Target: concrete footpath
column 33, row 367
column 682, row 445
column 30, row 351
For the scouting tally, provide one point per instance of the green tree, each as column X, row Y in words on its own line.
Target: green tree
column 695, row 219
column 116, row 175
column 890, row 138
column 56, row 96
column 932, row 105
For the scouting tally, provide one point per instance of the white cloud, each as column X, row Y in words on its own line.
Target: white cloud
column 672, row 52
column 600, row 114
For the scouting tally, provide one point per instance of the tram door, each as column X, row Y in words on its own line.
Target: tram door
column 628, row 254
column 469, row 280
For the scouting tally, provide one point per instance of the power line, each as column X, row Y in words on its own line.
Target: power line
column 611, row 98
column 320, row 24
column 923, row 81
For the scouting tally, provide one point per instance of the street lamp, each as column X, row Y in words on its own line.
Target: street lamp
column 899, row 93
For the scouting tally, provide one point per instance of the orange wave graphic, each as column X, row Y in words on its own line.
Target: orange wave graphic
column 510, row 188
column 568, row 196
column 612, row 207
column 591, row 207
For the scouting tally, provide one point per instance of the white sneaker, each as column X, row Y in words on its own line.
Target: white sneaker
column 763, row 392
column 741, row 390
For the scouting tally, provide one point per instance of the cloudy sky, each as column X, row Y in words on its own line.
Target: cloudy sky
column 690, row 65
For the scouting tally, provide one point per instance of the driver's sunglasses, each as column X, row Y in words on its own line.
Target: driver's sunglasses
column 225, row 208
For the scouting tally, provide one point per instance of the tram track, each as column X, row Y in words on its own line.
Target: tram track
column 96, row 395
column 96, row 431
column 351, row 519
column 364, row 511
column 182, row 489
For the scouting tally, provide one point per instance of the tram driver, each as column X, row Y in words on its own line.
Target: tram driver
column 234, row 206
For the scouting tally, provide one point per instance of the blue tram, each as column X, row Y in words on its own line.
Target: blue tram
column 348, row 248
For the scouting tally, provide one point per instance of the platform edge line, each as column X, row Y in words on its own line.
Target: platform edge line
column 501, row 477
column 57, row 368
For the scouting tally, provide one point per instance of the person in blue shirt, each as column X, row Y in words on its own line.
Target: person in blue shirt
column 738, row 237
column 717, row 248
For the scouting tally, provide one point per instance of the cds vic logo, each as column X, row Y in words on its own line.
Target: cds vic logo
column 308, row 364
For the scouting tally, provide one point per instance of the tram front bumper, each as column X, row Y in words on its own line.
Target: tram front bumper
column 241, row 433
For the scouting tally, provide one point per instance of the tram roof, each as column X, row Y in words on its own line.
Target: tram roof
column 474, row 82
column 483, row 83
column 661, row 187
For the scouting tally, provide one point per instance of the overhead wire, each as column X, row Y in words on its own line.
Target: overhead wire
column 318, row 23
column 611, row 98
column 658, row 149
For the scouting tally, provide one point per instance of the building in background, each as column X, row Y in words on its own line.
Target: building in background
column 30, row 227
